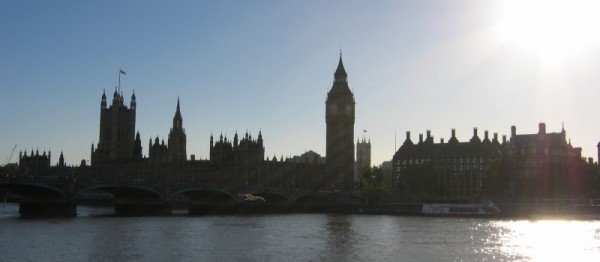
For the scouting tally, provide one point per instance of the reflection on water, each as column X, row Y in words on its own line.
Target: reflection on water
column 550, row 240
column 93, row 236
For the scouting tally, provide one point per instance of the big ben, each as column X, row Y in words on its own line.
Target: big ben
column 339, row 118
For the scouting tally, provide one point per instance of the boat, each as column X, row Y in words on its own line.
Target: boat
column 476, row 209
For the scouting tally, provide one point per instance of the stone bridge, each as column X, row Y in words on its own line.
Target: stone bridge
column 59, row 197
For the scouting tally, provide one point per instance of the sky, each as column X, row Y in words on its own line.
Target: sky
column 250, row 66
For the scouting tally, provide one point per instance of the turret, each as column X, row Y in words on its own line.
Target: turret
column 475, row 138
column 133, row 102
column 103, row 103
column 260, row 139
column 453, row 138
column 407, row 141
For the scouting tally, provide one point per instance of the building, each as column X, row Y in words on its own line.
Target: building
column 117, row 130
column 543, row 165
column 238, row 163
column 36, row 164
column 177, row 138
column 453, row 169
column 363, row 157
column 339, row 118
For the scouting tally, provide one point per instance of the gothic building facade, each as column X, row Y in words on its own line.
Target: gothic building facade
column 339, row 118
column 233, row 163
column 117, row 130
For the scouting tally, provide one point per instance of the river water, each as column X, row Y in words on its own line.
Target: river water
column 95, row 235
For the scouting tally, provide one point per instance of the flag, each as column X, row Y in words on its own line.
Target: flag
column 121, row 71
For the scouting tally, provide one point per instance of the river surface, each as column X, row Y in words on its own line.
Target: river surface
column 95, row 235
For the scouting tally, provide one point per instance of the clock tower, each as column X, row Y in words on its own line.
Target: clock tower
column 339, row 118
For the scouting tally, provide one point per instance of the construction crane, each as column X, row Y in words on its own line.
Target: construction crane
column 11, row 154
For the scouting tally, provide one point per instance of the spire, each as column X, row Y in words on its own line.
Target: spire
column 340, row 73
column 103, row 102
column 177, row 119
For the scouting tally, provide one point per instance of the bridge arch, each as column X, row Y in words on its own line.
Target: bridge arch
column 126, row 192
column 25, row 189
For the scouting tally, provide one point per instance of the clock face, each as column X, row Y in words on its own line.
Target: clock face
column 333, row 109
column 349, row 109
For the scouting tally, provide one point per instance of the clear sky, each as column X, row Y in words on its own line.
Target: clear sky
column 267, row 65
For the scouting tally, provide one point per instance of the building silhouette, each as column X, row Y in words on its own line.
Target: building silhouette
column 542, row 165
column 177, row 138
column 238, row 163
column 363, row 157
column 339, row 118
column 117, row 130
column 454, row 169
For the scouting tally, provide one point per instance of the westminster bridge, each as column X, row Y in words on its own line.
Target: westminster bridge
column 43, row 196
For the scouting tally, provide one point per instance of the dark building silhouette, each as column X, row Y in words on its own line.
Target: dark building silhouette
column 339, row 117
column 454, row 169
column 177, row 138
column 235, row 164
column 363, row 157
column 117, row 130
column 542, row 165
column 35, row 164
column 244, row 152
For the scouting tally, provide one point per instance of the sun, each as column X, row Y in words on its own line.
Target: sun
column 555, row 30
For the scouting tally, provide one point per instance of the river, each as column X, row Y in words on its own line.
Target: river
column 95, row 235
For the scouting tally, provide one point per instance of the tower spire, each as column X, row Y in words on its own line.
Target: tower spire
column 340, row 73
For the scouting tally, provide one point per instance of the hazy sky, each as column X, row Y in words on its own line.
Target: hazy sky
column 267, row 65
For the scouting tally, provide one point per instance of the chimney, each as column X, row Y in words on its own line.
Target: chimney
column 407, row 135
column 453, row 132
column 495, row 136
column 441, row 140
column 513, row 131
column 420, row 138
column 428, row 134
column 542, row 129
column 486, row 134
column 474, row 131
column 503, row 139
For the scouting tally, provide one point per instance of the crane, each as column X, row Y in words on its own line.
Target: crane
column 11, row 154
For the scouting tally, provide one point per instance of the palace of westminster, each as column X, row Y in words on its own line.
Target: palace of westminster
column 457, row 167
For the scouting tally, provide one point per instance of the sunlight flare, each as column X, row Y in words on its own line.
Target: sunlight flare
column 555, row 30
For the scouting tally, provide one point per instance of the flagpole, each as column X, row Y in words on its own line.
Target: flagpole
column 395, row 142
column 119, row 89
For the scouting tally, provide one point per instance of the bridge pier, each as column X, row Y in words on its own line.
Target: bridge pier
column 47, row 209
column 143, row 209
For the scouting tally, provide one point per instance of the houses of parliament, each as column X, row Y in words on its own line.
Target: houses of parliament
column 234, row 163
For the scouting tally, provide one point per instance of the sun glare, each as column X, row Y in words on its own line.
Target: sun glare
column 555, row 30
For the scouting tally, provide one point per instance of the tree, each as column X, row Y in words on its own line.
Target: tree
column 372, row 180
